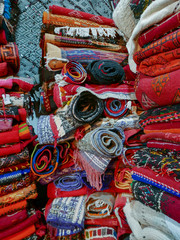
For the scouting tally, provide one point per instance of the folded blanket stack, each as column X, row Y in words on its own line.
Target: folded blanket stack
column 153, row 47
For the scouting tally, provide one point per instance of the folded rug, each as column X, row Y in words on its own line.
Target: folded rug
column 159, row 30
column 9, row 53
column 81, row 15
column 115, row 108
column 162, row 136
column 28, row 231
column 106, row 233
column 8, row 221
column 158, row 91
column 99, row 205
column 20, row 166
column 105, row 72
column 159, row 115
column 56, row 57
column 165, row 183
column 9, row 160
column 172, row 126
column 144, row 226
column 157, row 199
column 13, row 208
column 163, row 145
column 67, row 215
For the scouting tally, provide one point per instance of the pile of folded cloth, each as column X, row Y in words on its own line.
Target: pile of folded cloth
column 19, row 218
column 153, row 56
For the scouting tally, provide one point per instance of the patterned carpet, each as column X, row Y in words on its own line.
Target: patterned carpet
column 27, row 19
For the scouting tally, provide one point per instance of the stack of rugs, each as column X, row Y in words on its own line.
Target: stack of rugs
column 110, row 162
column 19, row 219
column 153, row 56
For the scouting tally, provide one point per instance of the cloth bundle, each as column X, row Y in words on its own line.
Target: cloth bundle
column 156, row 199
column 115, row 108
column 67, row 215
column 9, row 57
column 105, row 72
column 99, row 205
column 143, row 225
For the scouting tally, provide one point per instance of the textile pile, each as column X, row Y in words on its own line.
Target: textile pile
column 19, row 219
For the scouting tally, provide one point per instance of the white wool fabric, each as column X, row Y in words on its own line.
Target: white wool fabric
column 154, row 13
column 147, row 224
column 124, row 18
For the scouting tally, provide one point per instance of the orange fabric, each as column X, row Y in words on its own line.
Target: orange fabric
column 13, row 208
column 22, row 234
column 59, row 20
column 176, row 130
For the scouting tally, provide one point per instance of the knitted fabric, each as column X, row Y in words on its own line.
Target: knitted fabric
column 157, row 199
column 159, row 30
column 139, row 6
column 99, row 205
column 156, row 11
column 67, row 215
column 105, row 72
column 144, row 226
column 105, row 233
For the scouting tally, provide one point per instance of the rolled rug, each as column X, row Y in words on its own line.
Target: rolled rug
column 103, row 141
column 45, row 160
column 115, row 108
column 144, row 226
column 105, row 233
column 69, row 182
column 81, row 15
column 153, row 92
column 105, row 72
column 157, row 199
column 67, row 215
column 99, row 205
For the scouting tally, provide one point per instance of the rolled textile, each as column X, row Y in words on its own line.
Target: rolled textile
column 9, row 53
column 115, row 108
column 93, row 165
column 16, row 175
column 16, row 185
column 144, row 226
column 29, row 192
column 165, row 183
column 157, row 199
column 167, row 137
column 159, row 115
column 23, row 233
column 66, row 41
column 56, row 57
column 73, row 72
column 70, row 21
column 67, row 215
column 105, row 72
column 5, row 124
column 8, row 221
column 82, row 15
column 165, row 44
column 105, row 233
column 45, row 160
column 33, row 219
column 99, row 205
column 161, row 161
column 103, row 141
column 161, row 63
column 7, row 161
column 159, row 30
column 139, row 6
column 13, row 208
column 13, row 168
column 153, row 92
column 69, row 182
